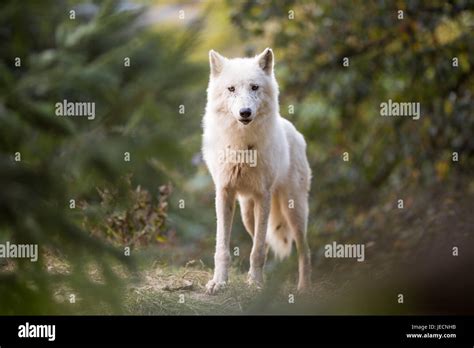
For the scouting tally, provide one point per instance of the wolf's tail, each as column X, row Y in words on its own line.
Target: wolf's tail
column 279, row 236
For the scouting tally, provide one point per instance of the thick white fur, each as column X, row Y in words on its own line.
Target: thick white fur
column 273, row 195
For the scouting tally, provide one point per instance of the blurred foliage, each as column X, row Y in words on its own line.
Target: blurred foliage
column 141, row 223
column 64, row 158
column 338, row 108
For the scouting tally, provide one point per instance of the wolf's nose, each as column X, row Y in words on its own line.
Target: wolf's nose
column 245, row 112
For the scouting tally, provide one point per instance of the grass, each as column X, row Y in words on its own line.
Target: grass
column 178, row 291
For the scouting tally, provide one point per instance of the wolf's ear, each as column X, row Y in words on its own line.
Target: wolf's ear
column 265, row 60
column 217, row 62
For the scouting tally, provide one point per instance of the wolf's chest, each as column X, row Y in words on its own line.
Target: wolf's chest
column 238, row 156
column 238, row 165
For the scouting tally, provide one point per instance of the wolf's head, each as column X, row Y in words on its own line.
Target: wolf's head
column 243, row 88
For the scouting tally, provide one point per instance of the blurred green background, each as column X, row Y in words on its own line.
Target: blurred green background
column 145, row 66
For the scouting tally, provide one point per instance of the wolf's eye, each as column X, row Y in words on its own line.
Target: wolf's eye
column 254, row 87
column 231, row 89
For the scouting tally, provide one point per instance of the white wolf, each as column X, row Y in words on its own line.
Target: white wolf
column 242, row 114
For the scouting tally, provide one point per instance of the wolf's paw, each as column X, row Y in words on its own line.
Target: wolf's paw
column 212, row 287
column 254, row 283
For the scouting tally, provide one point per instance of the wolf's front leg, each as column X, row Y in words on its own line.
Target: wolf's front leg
column 225, row 203
column 257, row 255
